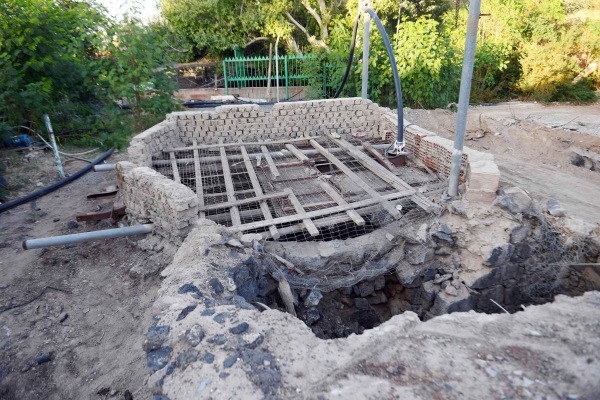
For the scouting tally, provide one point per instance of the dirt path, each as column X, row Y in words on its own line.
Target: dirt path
column 533, row 145
column 93, row 331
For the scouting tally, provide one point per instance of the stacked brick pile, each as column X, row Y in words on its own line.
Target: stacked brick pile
column 150, row 196
column 152, row 141
column 478, row 169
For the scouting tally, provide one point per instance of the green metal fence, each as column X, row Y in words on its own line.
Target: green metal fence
column 251, row 75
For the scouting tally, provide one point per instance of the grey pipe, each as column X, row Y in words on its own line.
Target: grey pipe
column 465, row 94
column 104, row 167
column 61, row 172
column 86, row 236
column 365, row 59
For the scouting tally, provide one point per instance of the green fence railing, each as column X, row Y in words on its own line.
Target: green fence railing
column 253, row 72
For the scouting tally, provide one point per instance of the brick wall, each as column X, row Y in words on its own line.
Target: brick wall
column 150, row 196
column 152, row 140
column 478, row 169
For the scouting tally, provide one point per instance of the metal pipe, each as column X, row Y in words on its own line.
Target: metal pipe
column 465, row 94
column 277, row 67
column 365, row 59
column 61, row 173
column 87, row 236
column 104, row 167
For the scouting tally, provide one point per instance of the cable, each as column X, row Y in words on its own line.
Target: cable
column 35, row 298
column 350, row 57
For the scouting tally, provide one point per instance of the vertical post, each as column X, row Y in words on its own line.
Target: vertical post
column 463, row 98
column 277, row 66
column 61, row 173
column 365, row 59
column 225, row 77
column 287, row 79
column 269, row 72
column 216, row 82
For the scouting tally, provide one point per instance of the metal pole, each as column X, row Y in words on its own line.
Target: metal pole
column 61, row 173
column 365, row 59
column 269, row 71
column 277, row 67
column 463, row 98
column 87, row 236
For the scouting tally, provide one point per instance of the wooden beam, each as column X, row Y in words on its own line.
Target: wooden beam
column 116, row 212
column 258, row 191
column 175, row 169
column 389, row 207
column 199, row 188
column 331, row 192
column 310, row 226
column 221, row 144
column 299, row 155
column 270, row 161
column 319, row 213
column 384, row 174
column 378, row 156
column 249, row 200
column 235, row 212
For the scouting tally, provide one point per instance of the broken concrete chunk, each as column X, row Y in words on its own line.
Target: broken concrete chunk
column 442, row 278
column 451, row 290
column 313, row 298
column 515, row 200
column 248, row 238
column 555, row 208
column 234, row 243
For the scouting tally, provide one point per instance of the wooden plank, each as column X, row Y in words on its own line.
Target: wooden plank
column 320, row 213
column 258, row 191
column 389, row 207
column 331, row 192
column 175, row 169
column 220, row 144
column 102, row 195
column 270, row 161
column 240, row 202
column 198, row 173
column 310, row 226
column 384, row 174
column 299, row 155
column 378, row 156
column 235, row 212
column 117, row 212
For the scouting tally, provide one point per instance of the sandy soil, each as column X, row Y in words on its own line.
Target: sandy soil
column 99, row 342
column 531, row 143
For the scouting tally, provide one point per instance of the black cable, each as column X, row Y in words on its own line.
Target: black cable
column 350, row 58
column 35, row 298
column 51, row 188
column 388, row 47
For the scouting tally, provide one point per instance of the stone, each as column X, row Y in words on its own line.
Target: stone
column 159, row 358
column 444, row 236
column 523, row 251
column 515, row 200
column 219, row 339
column 443, row 251
column 496, row 256
column 209, row 358
column 240, row 302
column 377, row 298
column 417, row 255
column 311, row 315
column 379, row 282
column 361, row 303
column 313, row 298
column 461, row 208
column 186, row 358
column 239, row 329
column 217, row 286
column 229, row 361
column 366, row 318
column 422, row 233
column 223, row 375
column 190, row 288
column 203, row 384
column 208, row 312
column 451, row 290
column 555, row 208
column 491, row 372
column 220, row 318
column 72, row 225
column 184, row 313
column 234, row 243
column 366, row 288
column 194, row 335
column 519, row 233
column 439, row 279
column 446, row 304
column 248, row 239
column 155, row 337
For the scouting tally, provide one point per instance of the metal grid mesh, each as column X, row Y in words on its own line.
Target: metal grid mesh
column 276, row 171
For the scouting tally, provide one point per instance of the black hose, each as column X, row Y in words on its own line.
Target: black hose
column 51, row 188
column 350, row 58
column 388, row 47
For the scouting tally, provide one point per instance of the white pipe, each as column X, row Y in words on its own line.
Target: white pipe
column 104, row 167
column 365, row 59
column 277, row 67
column 61, row 173
column 87, row 236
